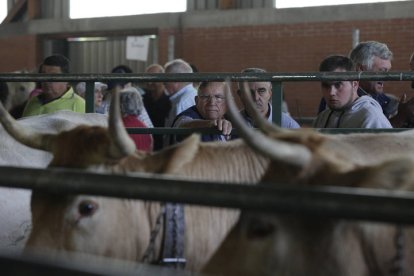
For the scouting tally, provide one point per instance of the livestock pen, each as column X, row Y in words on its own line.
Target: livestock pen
column 376, row 205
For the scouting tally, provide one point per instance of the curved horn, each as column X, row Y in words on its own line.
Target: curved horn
column 276, row 150
column 258, row 118
column 25, row 135
column 121, row 144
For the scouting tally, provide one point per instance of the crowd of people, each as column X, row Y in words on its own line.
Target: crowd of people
column 344, row 104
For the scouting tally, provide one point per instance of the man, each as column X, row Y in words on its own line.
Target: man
column 208, row 112
column 374, row 56
column 55, row 95
column 156, row 102
column 262, row 95
column 345, row 108
column 181, row 94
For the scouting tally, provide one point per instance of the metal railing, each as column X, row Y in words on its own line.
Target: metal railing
column 277, row 80
column 326, row 201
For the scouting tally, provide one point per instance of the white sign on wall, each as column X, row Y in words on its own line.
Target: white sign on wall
column 137, row 47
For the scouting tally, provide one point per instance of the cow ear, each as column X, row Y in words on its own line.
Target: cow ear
column 183, row 154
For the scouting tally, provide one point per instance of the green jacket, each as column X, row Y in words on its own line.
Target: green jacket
column 68, row 101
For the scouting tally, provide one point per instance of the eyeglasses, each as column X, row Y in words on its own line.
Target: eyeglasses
column 206, row 98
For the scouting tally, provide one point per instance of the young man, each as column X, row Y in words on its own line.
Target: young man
column 345, row 108
column 208, row 112
column 55, row 95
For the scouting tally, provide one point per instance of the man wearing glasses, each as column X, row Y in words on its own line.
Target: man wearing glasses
column 208, row 112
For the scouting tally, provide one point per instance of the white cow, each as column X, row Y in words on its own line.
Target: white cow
column 15, row 217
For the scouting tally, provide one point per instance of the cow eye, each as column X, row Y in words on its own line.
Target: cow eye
column 260, row 228
column 87, row 208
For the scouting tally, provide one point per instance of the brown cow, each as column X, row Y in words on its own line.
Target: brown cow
column 294, row 245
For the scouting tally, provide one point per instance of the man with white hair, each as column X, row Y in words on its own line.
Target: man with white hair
column 182, row 94
column 261, row 93
column 374, row 56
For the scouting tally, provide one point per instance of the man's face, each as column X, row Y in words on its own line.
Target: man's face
column 378, row 65
column 171, row 87
column 339, row 94
column 261, row 93
column 98, row 97
column 154, row 86
column 211, row 102
column 54, row 89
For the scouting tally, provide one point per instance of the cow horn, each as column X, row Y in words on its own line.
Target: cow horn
column 121, row 144
column 25, row 135
column 276, row 150
column 258, row 118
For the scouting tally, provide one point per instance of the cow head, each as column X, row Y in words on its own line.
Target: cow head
column 86, row 223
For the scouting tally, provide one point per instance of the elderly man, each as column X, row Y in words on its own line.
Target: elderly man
column 374, row 56
column 345, row 108
column 55, row 95
column 208, row 112
column 262, row 95
column 182, row 94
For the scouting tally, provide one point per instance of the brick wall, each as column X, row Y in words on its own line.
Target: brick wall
column 19, row 52
column 290, row 48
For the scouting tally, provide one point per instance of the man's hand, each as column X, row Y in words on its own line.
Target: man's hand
column 405, row 112
column 224, row 126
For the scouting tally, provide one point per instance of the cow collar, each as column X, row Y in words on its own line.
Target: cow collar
column 173, row 240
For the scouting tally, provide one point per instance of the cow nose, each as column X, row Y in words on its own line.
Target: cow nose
column 87, row 208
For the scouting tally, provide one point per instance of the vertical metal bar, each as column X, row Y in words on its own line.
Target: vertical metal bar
column 90, row 97
column 277, row 100
column 355, row 37
column 171, row 47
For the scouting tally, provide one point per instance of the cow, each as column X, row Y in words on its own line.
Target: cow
column 263, row 244
column 15, row 217
column 79, row 223
column 67, row 227
column 14, row 95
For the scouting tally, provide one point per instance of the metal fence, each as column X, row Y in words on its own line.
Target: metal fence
column 341, row 202
column 277, row 80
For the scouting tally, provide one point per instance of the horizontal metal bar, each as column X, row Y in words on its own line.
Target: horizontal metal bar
column 173, row 131
column 360, row 130
column 43, row 264
column 193, row 77
column 188, row 131
column 342, row 202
